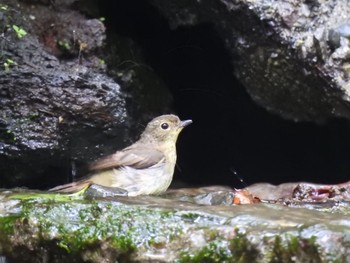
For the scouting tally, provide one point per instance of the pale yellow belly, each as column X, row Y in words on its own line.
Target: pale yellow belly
column 153, row 180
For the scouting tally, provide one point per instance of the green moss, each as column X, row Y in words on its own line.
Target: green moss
column 288, row 248
column 9, row 63
column 12, row 30
column 191, row 217
column 212, row 252
column 7, row 229
column 242, row 249
column 82, row 227
column 239, row 250
column 88, row 225
column 48, row 196
column 79, row 229
column 64, row 44
column 20, row 32
column 7, row 225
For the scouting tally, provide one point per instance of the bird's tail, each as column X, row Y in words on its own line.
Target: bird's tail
column 71, row 187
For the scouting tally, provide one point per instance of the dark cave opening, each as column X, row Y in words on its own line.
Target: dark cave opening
column 230, row 133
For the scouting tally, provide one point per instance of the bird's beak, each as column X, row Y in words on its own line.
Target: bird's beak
column 185, row 123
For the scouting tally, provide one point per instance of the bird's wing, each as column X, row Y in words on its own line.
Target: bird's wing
column 135, row 156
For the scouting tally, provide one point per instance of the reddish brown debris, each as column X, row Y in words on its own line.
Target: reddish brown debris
column 244, row 197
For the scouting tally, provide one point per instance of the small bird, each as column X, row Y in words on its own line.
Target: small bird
column 144, row 168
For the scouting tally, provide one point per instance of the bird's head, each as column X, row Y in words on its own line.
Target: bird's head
column 164, row 128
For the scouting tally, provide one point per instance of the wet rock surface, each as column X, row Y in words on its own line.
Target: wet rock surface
column 52, row 108
column 281, row 51
column 59, row 106
column 61, row 228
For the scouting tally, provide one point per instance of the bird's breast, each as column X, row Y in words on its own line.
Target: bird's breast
column 152, row 180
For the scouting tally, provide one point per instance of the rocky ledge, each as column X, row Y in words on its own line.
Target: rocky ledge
column 182, row 226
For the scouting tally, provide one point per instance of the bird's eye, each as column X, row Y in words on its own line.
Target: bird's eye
column 164, row 126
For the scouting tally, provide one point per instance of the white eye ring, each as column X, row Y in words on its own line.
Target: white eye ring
column 164, row 126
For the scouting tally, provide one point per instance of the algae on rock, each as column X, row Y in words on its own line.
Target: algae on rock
column 158, row 229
